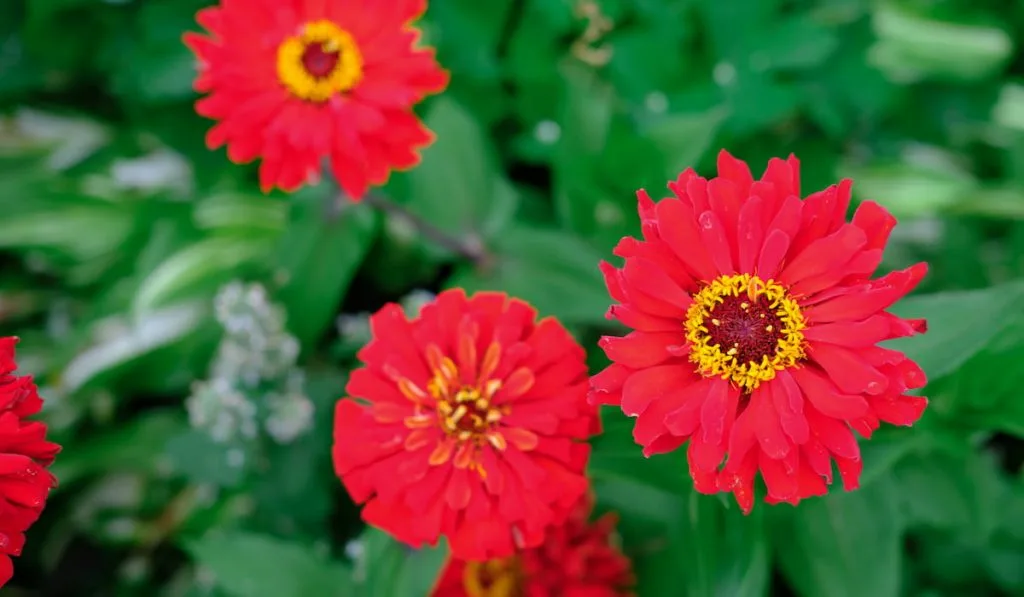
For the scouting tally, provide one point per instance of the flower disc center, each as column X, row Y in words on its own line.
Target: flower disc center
column 744, row 329
column 321, row 61
column 493, row 578
column 465, row 413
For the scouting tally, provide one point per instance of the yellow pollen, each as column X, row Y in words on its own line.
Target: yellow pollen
column 737, row 348
column 493, row 578
column 321, row 61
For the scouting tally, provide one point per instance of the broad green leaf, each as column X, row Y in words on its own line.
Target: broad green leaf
column 82, row 229
column 135, row 446
column 720, row 551
column 250, row 565
column 586, row 113
column 912, row 47
column 928, row 181
column 122, row 340
column 800, row 42
column 615, row 455
column 684, row 138
column 320, row 254
column 458, row 187
column 554, row 271
column 245, row 213
column 199, row 267
column 960, row 324
column 841, row 545
column 194, row 454
column 386, row 568
column 960, row 492
column 984, row 393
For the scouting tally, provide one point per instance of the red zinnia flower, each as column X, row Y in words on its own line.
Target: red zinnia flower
column 24, row 453
column 576, row 559
column 294, row 81
column 756, row 330
column 470, row 424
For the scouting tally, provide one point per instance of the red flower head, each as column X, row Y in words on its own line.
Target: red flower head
column 756, row 327
column 294, row 81
column 24, row 453
column 576, row 560
column 470, row 423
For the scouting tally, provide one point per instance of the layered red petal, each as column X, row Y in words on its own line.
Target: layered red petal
column 426, row 465
column 25, row 454
column 792, row 427
column 577, row 559
column 364, row 133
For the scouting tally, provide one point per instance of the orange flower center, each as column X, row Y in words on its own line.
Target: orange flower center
column 463, row 405
column 320, row 62
column 494, row 578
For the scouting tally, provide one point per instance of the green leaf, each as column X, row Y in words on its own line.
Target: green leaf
column 841, row 545
column 250, row 565
column 615, row 455
column 458, row 186
column 719, row 551
column 80, row 228
column 928, row 181
column 134, row 338
column 133, row 446
column 960, row 324
column 386, row 568
column 244, row 213
column 155, row 65
column 684, row 138
column 912, row 47
column 199, row 267
column 554, row 271
column 321, row 254
column 194, row 454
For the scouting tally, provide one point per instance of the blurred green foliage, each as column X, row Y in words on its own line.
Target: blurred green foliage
column 119, row 229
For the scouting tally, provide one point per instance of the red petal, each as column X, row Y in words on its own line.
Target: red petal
column 646, row 385
column 823, row 395
column 851, row 372
column 640, row 349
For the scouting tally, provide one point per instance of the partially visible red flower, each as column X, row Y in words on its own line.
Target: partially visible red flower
column 25, row 482
column 756, row 329
column 577, row 559
column 296, row 81
column 469, row 422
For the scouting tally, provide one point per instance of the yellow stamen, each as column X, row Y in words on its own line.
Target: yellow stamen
column 493, row 578
column 710, row 358
column 339, row 65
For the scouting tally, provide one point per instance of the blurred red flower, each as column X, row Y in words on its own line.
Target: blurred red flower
column 469, row 421
column 756, row 327
column 295, row 81
column 24, row 455
column 576, row 560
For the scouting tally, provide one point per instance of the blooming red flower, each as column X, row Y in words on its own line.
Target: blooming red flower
column 24, row 455
column 756, row 327
column 469, row 423
column 577, row 559
column 295, row 81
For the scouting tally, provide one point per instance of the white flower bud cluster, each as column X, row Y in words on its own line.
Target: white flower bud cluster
column 254, row 378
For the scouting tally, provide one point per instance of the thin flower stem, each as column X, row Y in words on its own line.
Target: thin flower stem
column 468, row 248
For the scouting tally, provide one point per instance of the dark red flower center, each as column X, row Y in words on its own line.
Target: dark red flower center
column 744, row 329
column 320, row 60
column 466, row 411
column 751, row 328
